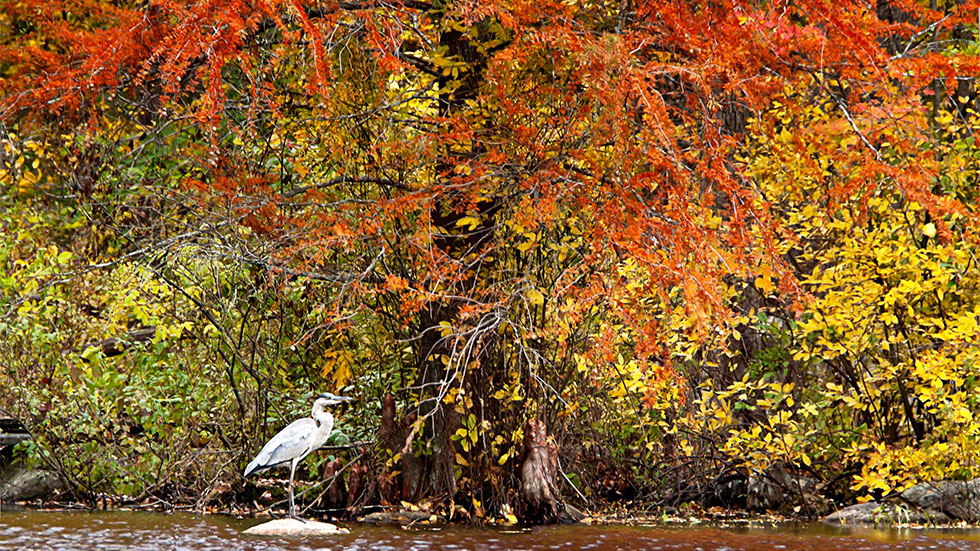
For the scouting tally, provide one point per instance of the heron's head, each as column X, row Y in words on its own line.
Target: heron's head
column 330, row 399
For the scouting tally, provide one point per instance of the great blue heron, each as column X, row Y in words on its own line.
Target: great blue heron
column 296, row 441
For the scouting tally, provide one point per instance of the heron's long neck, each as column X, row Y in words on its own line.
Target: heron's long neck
column 322, row 417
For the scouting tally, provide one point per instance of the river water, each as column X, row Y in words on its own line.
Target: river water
column 122, row 531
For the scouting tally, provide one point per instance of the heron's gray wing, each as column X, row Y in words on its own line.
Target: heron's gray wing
column 291, row 442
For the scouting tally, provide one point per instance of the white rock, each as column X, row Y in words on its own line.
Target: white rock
column 293, row 527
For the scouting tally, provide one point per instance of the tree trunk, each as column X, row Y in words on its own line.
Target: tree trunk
column 538, row 473
column 433, row 473
column 335, row 496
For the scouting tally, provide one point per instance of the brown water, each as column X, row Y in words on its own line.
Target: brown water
column 120, row 531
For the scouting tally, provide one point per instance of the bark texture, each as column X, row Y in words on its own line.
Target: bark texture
column 538, row 473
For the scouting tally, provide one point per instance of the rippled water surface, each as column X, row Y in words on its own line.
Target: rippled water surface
column 118, row 531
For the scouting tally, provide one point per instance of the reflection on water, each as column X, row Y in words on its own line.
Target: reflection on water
column 118, row 531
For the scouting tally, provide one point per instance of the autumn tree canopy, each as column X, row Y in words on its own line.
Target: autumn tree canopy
column 504, row 204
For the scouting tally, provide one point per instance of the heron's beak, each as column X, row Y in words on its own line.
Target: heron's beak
column 334, row 398
column 339, row 400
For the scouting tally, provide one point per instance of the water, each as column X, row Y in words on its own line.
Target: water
column 121, row 531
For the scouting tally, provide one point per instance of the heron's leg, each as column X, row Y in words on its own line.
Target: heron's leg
column 292, row 503
column 292, row 473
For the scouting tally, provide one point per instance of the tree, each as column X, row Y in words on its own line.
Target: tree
column 525, row 194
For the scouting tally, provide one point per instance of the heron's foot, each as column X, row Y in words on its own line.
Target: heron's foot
column 293, row 515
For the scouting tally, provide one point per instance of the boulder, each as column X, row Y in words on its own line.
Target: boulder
column 778, row 489
column 573, row 514
column 23, row 485
column 813, row 505
column 874, row 512
column 291, row 527
column 957, row 499
column 405, row 518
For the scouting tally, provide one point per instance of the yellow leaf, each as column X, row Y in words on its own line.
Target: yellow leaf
column 764, row 284
column 471, row 221
column 535, row 296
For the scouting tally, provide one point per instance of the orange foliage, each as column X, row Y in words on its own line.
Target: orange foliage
column 625, row 116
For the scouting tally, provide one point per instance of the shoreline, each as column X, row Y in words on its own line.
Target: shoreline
column 666, row 517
